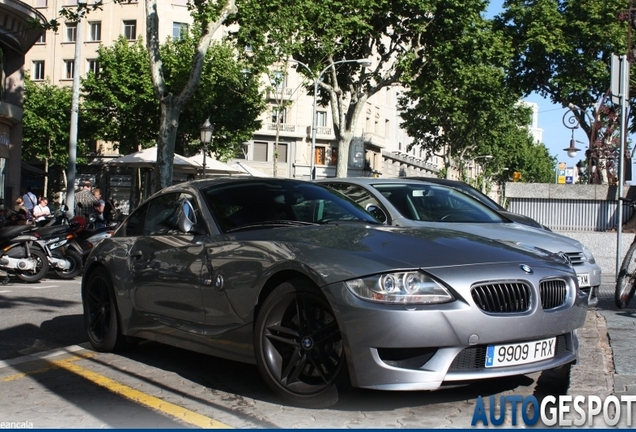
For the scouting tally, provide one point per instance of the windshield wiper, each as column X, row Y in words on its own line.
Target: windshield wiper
column 271, row 224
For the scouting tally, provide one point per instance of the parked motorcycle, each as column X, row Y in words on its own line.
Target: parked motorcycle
column 22, row 254
column 59, row 237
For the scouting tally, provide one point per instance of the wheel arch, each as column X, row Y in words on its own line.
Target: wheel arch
column 277, row 279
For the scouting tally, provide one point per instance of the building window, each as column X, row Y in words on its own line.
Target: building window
column 180, row 2
column 333, row 158
column 69, row 69
column 282, row 152
column 130, row 29
column 279, row 115
column 71, row 2
column 321, row 118
column 93, row 66
column 42, row 38
column 40, row 3
column 179, row 29
column 260, row 151
column 95, row 31
column 71, row 32
column 38, row 70
column 320, row 155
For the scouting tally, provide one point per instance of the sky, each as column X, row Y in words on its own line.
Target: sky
column 556, row 136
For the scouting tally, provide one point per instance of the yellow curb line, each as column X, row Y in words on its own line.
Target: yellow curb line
column 142, row 398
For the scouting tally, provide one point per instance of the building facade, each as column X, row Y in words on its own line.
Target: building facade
column 17, row 36
column 379, row 146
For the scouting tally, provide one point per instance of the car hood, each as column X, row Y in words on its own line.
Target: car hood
column 525, row 220
column 372, row 249
column 507, row 232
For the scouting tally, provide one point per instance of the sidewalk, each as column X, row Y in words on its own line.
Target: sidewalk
column 607, row 363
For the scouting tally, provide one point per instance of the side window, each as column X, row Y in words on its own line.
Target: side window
column 162, row 214
column 356, row 193
column 134, row 225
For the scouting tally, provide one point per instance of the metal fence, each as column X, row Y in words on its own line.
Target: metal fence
column 571, row 215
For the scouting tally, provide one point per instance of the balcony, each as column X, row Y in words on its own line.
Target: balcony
column 286, row 129
column 375, row 139
column 285, row 93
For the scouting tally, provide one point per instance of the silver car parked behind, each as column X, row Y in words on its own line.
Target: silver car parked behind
column 403, row 202
column 304, row 283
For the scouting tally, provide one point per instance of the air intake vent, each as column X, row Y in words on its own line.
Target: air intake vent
column 576, row 258
column 507, row 297
column 553, row 293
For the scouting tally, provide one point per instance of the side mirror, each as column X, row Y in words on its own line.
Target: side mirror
column 377, row 212
column 186, row 218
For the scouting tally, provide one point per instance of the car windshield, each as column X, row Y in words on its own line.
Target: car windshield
column 260, row 203
column 435, row 203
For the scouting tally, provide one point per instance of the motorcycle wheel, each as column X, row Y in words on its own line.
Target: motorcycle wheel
column 41, row 267
column 76, row 265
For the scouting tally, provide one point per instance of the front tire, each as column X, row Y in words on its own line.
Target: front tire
column 299, row 348
column 101, row 318
column 41, row 267
column 76, row 265
column 625, row 283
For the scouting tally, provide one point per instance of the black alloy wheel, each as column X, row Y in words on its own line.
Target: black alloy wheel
column 299, row 348
column 100, row 313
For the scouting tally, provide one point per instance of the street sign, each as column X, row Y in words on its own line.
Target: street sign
column 619, row 86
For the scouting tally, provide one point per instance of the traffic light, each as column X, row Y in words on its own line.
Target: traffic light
column 516, row 176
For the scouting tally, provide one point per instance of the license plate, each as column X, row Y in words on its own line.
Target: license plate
column 520, row 353
column 584, row 280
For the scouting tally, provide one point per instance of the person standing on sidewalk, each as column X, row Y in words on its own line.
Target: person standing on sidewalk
column 85, row 200
column 30, row 200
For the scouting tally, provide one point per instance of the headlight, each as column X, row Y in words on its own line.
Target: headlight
column 412, row 287
column 588, row 255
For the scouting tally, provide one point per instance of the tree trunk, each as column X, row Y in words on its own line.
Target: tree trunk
column 166, row 144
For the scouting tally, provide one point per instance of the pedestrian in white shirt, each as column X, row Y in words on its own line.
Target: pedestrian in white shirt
column 41, row 211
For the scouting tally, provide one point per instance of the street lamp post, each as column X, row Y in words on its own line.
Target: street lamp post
column 317, row 79
column 572, row 122
column 207, row 129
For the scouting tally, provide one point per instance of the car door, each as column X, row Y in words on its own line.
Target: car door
column 167, row 267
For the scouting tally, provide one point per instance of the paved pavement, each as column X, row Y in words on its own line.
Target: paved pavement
column 607, row 364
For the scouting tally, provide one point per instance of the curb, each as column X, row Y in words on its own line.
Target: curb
column 593, row 373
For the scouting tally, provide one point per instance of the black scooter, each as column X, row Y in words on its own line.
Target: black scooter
column 59, row 237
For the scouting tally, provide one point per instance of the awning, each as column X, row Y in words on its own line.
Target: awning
column 33, row 170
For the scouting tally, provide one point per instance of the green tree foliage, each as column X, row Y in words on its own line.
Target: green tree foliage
column 562, row 51
column 47, row 114
column 228, row 94
column 119, row 104
column 458, row 105
column 392, row 33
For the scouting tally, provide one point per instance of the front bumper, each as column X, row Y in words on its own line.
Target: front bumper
column 395, row 347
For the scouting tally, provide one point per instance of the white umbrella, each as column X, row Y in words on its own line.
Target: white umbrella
column 213, row 166
column 246, row 169
column 147, row 158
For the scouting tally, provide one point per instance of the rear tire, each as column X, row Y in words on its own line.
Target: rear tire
column 41, row 267
column 101, row 317
column 625, row 283
column 299, row 348
column 75, row 269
